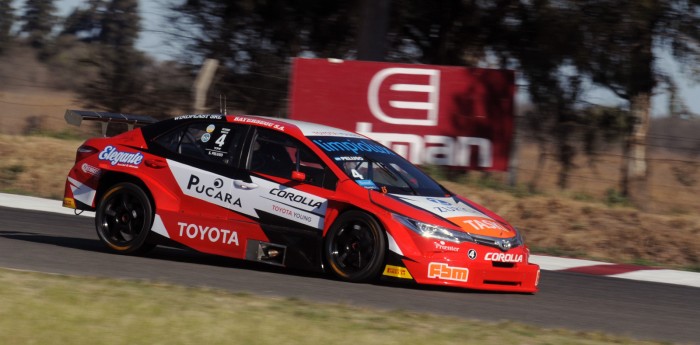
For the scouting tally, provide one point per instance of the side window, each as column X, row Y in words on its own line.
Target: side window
column 277, row 154
column 214, row 142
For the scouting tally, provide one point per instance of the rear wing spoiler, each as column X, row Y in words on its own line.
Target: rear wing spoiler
column 76, row 117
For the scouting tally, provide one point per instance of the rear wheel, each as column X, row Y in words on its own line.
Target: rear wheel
column 355, row 247
column 123, row 219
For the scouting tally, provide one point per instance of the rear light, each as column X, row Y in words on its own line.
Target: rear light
column 84, row 152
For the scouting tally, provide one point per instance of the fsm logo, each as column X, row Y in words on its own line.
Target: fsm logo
column 445, row 272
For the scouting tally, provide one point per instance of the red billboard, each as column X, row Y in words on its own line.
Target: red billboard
column 439, row 115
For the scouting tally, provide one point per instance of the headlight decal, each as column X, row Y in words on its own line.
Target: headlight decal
column 393, row 246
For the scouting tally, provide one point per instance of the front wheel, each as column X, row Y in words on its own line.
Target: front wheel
column 123, row 219
column 355, row 247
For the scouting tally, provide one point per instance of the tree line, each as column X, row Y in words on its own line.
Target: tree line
column 561, row 48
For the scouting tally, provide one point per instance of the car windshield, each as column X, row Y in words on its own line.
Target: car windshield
column 374, row 166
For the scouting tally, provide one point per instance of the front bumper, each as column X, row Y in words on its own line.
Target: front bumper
column 457, row 269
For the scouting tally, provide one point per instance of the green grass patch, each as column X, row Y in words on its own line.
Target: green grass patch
column 54, row 309
column 615, row 198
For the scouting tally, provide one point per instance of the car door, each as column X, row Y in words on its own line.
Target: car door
column 204, row 159
column 288, row 188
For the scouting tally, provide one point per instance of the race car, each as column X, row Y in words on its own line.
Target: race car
column 288, row 193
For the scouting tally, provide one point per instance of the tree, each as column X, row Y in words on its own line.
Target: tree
column 445, row 32
column 119, row 85
column 255, row 40
column 520, row 34
column 38, row 20
column 619, row 51
column 7, row 18
column 85, row 22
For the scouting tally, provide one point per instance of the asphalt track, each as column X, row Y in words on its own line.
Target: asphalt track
column 64, row 244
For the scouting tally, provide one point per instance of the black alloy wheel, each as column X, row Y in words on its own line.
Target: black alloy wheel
column 355, row 247
column 123, row 219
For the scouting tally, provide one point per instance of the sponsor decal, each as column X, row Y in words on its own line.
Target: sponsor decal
column 431, row 89
column 439, row 201
column 287, row 202
column 444, row 207
column 206, row 137
column 200, row 116
column 212, row 234
column 211, row 128
column 219, row 143
column 310, row 209
column 298, row 216
column 120, row 158
column 471, row 254
column 503, row 257
column 89, row 169
column 445, row 247
column 447, row 206
column 445, row 272
column 328, row 133
column 261, row 122
column 213, row 191
column 369, row 184
column 348, row 159
column 69, row 202
column 480, row 224
column 434, row 149
column 355, row 146
column 397, row 272
column 413, row 110
column 295, row 198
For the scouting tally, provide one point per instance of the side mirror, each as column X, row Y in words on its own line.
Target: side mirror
column 298, row 176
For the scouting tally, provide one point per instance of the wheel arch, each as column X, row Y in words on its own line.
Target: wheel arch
column 112, row 178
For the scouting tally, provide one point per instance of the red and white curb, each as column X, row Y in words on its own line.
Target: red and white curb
column 625, row 271
column 548, row 263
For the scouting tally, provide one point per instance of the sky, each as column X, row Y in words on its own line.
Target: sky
column 153, row 41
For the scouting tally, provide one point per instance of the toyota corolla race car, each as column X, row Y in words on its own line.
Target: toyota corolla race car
column 289, row 193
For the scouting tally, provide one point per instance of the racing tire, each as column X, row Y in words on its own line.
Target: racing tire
column 355, row 247
column 123, row 219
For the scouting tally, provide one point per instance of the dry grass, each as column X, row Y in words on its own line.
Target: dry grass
column 561, row 226
column 35, row 165
column 673, row 182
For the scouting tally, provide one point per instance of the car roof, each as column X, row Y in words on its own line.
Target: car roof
column 308, row 129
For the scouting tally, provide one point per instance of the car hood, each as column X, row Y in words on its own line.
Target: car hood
column 469, row 217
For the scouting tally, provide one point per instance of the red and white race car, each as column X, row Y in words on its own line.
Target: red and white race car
column 289, row 193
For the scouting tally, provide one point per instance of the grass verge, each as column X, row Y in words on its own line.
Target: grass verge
column 54, row 309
